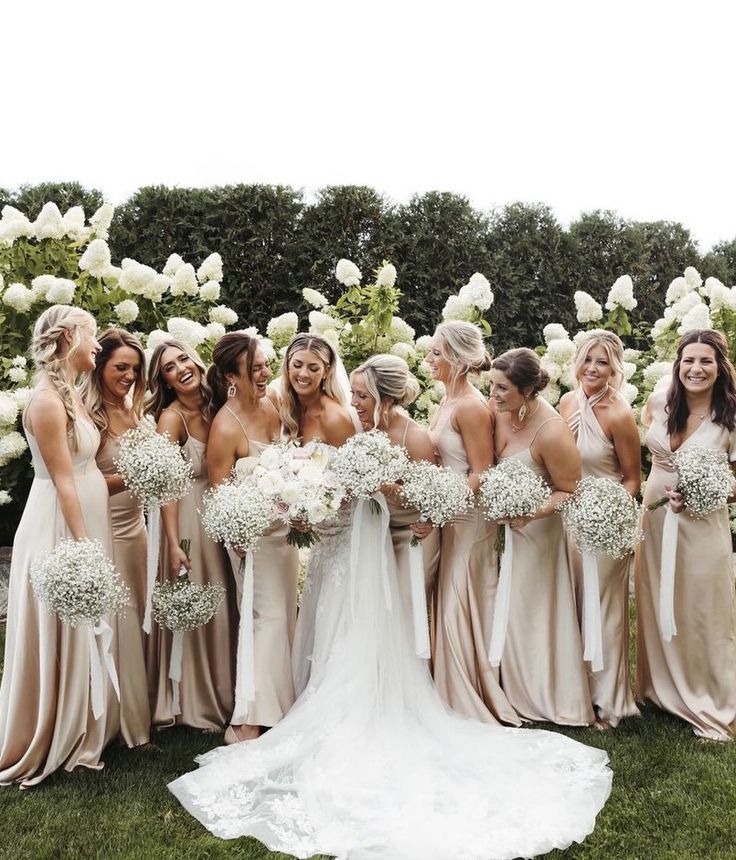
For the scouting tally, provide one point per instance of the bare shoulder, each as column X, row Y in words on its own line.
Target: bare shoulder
column 473, row 409
column 274, row 397
column 45, row 412
column 620, row 414
column 567, row 404
column 171, row 422
column 554, row 431
column 224, row 425
column 336, row 421
column 418, row 442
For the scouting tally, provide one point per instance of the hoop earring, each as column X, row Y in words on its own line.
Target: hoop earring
column 521, row 414
column 232, row 390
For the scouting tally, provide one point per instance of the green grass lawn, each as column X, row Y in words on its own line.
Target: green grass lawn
column 673, row 797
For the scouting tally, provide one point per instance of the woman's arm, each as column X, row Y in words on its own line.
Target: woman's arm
column 222, row 448
column 49, row 422
column 474, row 422
column 555, row 447
column 171, row 423
column 625, row 437
column 115, row 484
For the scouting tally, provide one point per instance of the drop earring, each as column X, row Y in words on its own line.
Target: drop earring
column 232, row 390
column 521, row 414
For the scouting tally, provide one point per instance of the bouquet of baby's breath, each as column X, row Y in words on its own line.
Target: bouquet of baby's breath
column 511, row 490
column 602, row 517
column 368, row 460
column 705, row 480
column 439, row 494
column 77, row 581
column 301, row 485
column 152, row 466
column 236, row 514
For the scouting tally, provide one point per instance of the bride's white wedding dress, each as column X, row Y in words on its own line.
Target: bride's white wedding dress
column 369, row 763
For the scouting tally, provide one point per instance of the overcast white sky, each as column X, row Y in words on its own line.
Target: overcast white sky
column 581, row 105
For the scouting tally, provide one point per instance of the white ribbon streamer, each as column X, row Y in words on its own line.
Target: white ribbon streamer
column 356, row 537
column 100, row 655
column 177, row 643
column 592, row 624
column 419, row 602
column 667, row 626
column 245, row 690
column 503, row 600
column 154, row 540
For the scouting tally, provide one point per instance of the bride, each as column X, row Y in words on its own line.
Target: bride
column 370, row 764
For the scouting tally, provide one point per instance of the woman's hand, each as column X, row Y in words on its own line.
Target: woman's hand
column 391, row 490
column 421, row 528
column 178, row 559
column 677, row 500
column 517, row 523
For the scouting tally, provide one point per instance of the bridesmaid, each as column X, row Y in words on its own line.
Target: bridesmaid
column 382, row 386
column 694, row 674
column 608, row 441
column 245, row 424
column 46, row 719
column 462, row 433
column 180, row 404
column 542, row 669
column 314, row 406
column 113, row 394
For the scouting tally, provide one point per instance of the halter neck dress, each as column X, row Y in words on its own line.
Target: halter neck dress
column 610, row 689
column 46, row 719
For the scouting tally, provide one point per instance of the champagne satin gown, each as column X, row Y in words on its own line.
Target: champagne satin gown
column 400, row 520
column 46, row 719
column 610, row 688
column 207, row 687
column 465, row 599
column 694, row 675
column 542, row 669
column 130, row 551
column 275, row 576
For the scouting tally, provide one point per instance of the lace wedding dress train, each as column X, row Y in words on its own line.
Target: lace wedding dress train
column 370, row 764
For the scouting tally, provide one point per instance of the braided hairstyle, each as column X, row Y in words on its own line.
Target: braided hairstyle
column 50, row 357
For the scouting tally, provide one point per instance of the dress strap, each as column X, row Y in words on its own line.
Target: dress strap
column 406, row 428
column 184, row 420
column 247, row 439
column 546, row 421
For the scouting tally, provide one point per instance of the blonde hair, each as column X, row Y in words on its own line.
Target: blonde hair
column 163, row 396
column 93, row 388
column 48, row 358
column 389, row 382
column 611, row 343
column 291, row 408
column 463, row 347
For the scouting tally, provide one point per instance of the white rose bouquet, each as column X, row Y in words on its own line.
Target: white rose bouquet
column 601, row 517
column 180, row 606
column 77, row 581
column 301, row 485
column 706, row 481
column 154, row 471
column 367, row 461
column 508, row 490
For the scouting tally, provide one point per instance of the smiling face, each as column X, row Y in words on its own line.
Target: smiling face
column 698, row 368
column 179, row 372
column 596, row 371
column 85, row 354
column 259, row 376
column 438, row 363
column 306, row 371
column 363, row 401
column 504, row 393
column 121, row 372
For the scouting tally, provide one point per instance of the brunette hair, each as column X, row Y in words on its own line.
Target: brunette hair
column 723, row 402
column 389, row 382
column 226, row 356
column 291, row 409
column 523, row 369
column 93, row 388
column 163, row 396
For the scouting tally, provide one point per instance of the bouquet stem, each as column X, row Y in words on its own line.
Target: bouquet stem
column 302, row 539
column 658, row 504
